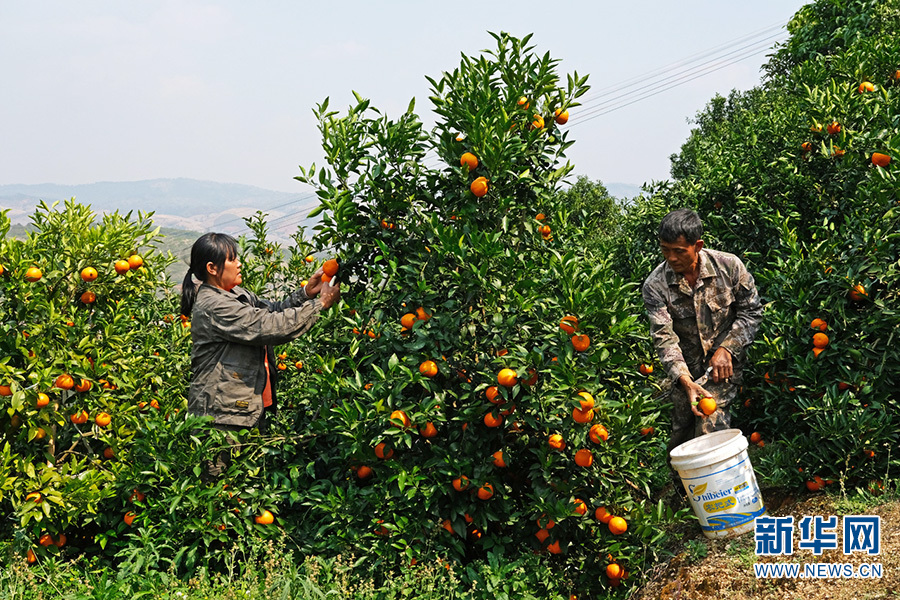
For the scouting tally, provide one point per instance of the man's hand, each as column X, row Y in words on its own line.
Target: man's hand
column 694, row 393
column 314, row 285
column 721, row 365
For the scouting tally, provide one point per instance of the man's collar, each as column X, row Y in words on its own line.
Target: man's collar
column 706, row 269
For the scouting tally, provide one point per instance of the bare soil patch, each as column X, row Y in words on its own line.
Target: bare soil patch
column 723, row 569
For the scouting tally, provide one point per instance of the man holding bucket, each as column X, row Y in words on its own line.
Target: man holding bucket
column 704, row 312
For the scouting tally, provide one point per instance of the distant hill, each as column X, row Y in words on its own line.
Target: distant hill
column 177, row 203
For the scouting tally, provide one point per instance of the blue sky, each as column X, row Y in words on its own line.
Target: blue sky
column 223, row 91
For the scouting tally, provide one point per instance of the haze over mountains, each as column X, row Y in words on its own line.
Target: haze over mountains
column 178, row 203
column 190, row 204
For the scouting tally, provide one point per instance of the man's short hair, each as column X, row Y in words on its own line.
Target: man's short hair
column 682, row 222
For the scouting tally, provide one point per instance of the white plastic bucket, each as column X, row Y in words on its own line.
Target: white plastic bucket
column 720, row 482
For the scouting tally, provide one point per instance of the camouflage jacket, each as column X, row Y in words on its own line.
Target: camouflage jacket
column 689, row 325
column 231, row 332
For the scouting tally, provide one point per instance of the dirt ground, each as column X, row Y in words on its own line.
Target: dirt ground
column 723, row 569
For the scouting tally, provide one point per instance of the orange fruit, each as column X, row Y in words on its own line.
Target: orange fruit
column 869, row 453
column 507, row 378
column 580, row 506
column 33, row 274
column 806, row 146
column 383, row 451
column 647, row 431
column 614, row 571
column 298, row 365
column 83, row 386
column 264, row 518
column 408, row 320
column 479, row 187
column 582, row 416
column 532, row 377
column 866, row 86
column 755, row 437
column 330, row 267
column 581, row 342
column 542, row 535
column 429, row 431
column 819, row 324
column 833, row 128
column 39, row 433
column 88, row 274
column 109, row 453
column 5, row 390
column 554, row 548
column 34, row 497
column 310, row 258
column 122, row 266
column 461, row 483
column 153, row 403
column 813, row 486
column 30, row 557
column 129, row 518
column 540, row 217
column 493, row 393
column 468, row 159
column 523, row 102
column 498, row 459
column 598, row 433
column 584, row 458
column 645, row 369
column 587, row 401
column 364, row 472
column 102, row 419
column 485, row 491
column 88, row 297
column 601, row 515
column 64, row 382
column 820, row 340
column 492, row 420
column 707, row 405
column 399, row 415
column 135, row 261
column 561, row 116
column 556, row 442
column 448, row 525
column 545, row 230
column 42, row 400
column 79, row 418
column 569, row 324
column 618, row 525
column 880, row 160
column 281, row 366
column 537, row 122
column 422, row 314
column 428, row 368
column 858, row 293
column 60, row 541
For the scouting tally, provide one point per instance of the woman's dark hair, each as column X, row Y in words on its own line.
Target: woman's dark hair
column 213, row 248
column 682, row 222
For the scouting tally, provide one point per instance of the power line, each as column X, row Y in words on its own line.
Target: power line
column 599, row 106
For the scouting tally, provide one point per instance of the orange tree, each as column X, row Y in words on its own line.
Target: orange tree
column 798, row 176
column 435, row 393
column 97, row 455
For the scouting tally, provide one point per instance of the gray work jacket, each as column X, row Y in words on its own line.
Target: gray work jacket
column 230, row 331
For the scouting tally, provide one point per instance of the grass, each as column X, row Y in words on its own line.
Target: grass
column 271, row 573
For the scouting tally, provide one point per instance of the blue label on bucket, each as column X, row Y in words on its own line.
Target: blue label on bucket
column 731, row 520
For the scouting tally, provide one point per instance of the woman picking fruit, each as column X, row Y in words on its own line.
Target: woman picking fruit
column 233, row 332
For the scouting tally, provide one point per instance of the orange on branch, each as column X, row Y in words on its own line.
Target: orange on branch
column 584, row 458
column 507, row 378
column 470, row 160
column 707, row 405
